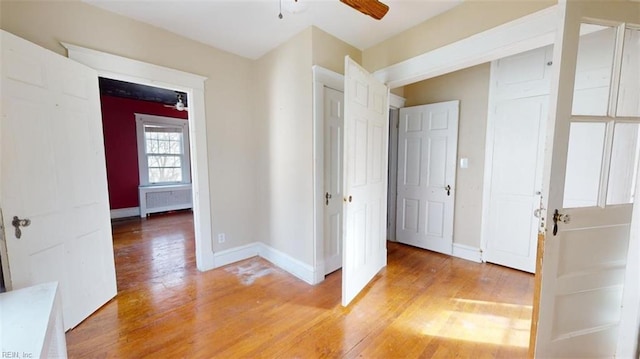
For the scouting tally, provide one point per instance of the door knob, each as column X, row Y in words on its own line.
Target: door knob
column 327, row 197
column 17, row 223
column 448, row 189
column 559, row 217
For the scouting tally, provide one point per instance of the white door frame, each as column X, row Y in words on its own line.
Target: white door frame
column 125, row 69
column 322, row 78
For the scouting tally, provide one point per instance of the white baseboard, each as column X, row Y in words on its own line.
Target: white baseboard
column 236, row 254
column 125, row 212
column 467, row 252
column 288, row 263
column 319, row 273
column 279, row 259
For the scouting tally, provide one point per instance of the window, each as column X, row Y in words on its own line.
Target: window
column 163, row 150
column 604, row 134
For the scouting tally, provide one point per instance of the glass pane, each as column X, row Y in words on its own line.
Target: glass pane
column 593, row 70
column 163, row 161
column 161, row 175
column 584, row 164
column 163, row 140
column 624, row 163
column 629, row 94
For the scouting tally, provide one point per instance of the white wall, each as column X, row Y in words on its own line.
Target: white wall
column 283, row 124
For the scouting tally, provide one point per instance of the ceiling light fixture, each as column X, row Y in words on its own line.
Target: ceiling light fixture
column 292, row 7
column 295, row 6
column 180, row 104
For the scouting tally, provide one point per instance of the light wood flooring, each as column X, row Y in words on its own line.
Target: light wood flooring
column 423, row 304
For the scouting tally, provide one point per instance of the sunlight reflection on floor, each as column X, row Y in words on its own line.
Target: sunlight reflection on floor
column 482, row 322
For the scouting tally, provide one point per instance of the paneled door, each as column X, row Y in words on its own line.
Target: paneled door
column 333, row 179
column 427, row 149
column 591, row 171
column 515, row 156
column 366, row 140
column 53, row 183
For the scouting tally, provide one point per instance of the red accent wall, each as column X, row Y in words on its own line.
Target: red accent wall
column 121, row 148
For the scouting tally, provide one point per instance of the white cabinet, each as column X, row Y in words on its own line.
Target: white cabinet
column 31, row 323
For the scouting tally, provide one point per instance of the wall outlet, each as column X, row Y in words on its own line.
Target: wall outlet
column 221, row 238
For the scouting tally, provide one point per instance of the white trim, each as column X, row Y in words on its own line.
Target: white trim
column 118, row 67
column 281, row 260
column 125, row 212
column 396, row 102
column 526, row 33
column 236, row 254
column 328, row 78
column 321, row 78
column 467, row 252
column 125, row 69
column 488, row 160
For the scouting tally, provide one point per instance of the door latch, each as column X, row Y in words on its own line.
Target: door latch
column 327, row 197
column 559, row 217
column 17, row 223
column 448, row 189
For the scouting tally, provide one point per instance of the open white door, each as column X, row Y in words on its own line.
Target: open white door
column 333, row 181
column 365, row 182
column 53, row 184
column 590, row 175
column 427, row 152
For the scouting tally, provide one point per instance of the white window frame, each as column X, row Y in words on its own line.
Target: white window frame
column 143, row 166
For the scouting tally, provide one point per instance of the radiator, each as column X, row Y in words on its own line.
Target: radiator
column 155, row 199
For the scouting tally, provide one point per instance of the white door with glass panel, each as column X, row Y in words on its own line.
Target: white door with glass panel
column 333, row 179
column 592, row 175
column 427, row 149
column 366, row 128
column 53, row 182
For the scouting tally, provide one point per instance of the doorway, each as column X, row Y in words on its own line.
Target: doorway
column 324, row 80
column 124, row 69
column 146, row 140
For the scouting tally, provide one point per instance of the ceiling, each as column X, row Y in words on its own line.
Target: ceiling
column 140, row 92
column 251, row 28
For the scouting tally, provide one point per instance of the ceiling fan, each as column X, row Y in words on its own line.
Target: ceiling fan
column 179, row 104
column 373, row 8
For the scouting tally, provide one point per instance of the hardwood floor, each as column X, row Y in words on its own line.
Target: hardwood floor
column 423, row 304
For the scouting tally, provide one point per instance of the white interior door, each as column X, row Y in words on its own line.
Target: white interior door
column 591, row 171
column 427, row 151
column 365, row 197
column 333, row 179
column 53, row 174
column 515, row 150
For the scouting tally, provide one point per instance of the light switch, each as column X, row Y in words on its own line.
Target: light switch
column 464, row 163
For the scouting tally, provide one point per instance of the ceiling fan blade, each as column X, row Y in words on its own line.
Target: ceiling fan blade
column 373, row 8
